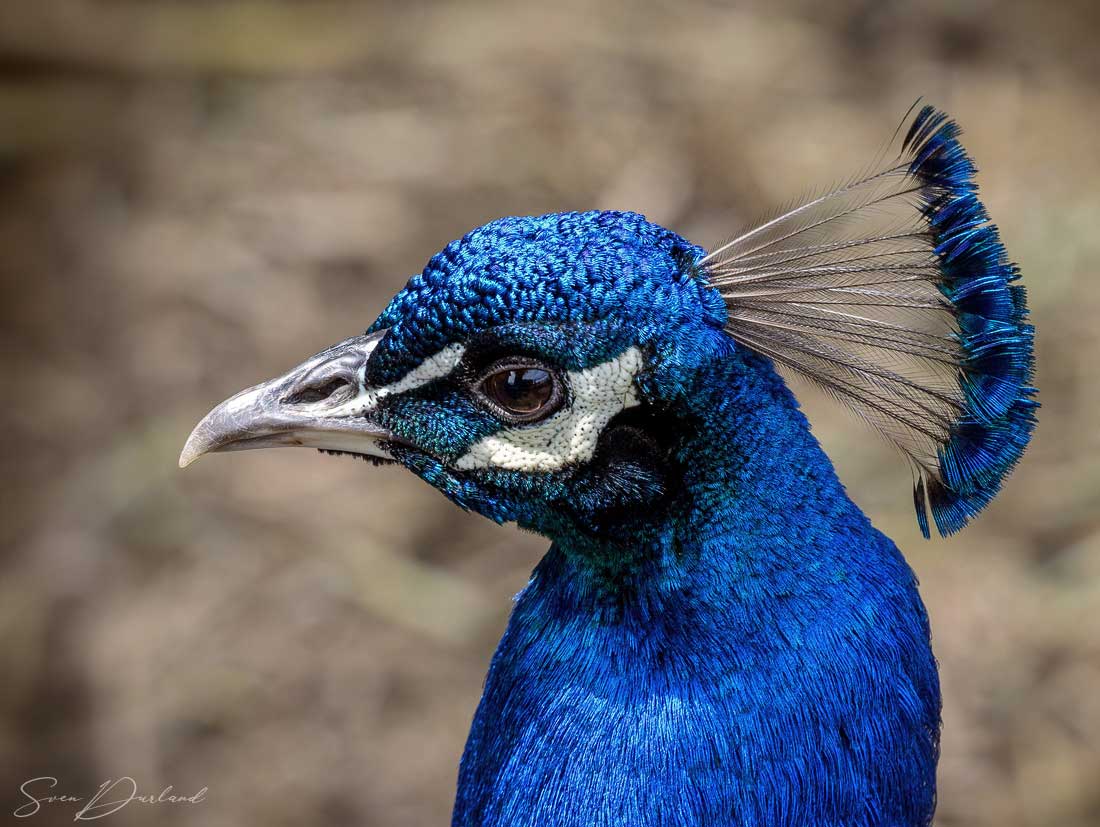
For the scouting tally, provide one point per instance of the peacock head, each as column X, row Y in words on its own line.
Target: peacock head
column 547, row 369
column 528, row 373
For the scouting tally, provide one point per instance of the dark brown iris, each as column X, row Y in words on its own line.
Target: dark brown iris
column 525, row 392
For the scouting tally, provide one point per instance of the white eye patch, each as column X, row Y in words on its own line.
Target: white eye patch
column 570, row 435
column 432, row 368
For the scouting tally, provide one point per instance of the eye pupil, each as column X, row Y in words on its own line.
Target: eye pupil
column 521, row 390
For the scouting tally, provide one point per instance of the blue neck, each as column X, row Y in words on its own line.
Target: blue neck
column 759, row 657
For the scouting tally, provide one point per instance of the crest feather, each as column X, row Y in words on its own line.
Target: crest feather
column 894, row 294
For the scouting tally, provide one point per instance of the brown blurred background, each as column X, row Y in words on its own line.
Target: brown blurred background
column 196, row 195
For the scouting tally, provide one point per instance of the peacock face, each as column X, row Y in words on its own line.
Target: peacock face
column 527, row 373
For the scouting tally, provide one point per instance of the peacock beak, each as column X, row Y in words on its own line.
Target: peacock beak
column 323, row 403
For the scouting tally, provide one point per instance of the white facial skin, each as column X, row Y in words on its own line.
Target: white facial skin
column 434, row 367
column 570, row 435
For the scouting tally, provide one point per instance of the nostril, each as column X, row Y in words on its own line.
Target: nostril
column 317, row 393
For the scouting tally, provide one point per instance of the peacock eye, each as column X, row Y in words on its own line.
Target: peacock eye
column 523, row 392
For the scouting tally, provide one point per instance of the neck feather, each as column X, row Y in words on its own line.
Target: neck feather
column 759, row 657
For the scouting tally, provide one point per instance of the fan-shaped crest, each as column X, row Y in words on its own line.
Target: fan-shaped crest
column 894, row 294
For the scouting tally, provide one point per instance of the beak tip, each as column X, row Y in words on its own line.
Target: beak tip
column 195, row 447
column 188, row 454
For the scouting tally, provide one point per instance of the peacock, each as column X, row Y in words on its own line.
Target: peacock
column 717, row 634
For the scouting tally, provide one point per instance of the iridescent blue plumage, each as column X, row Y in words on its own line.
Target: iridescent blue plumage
column 717, row 636
column 741, row 648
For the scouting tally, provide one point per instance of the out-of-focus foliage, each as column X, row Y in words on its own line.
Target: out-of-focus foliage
column 196, row 195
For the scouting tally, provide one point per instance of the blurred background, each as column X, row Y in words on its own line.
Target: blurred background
column 196, row 195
